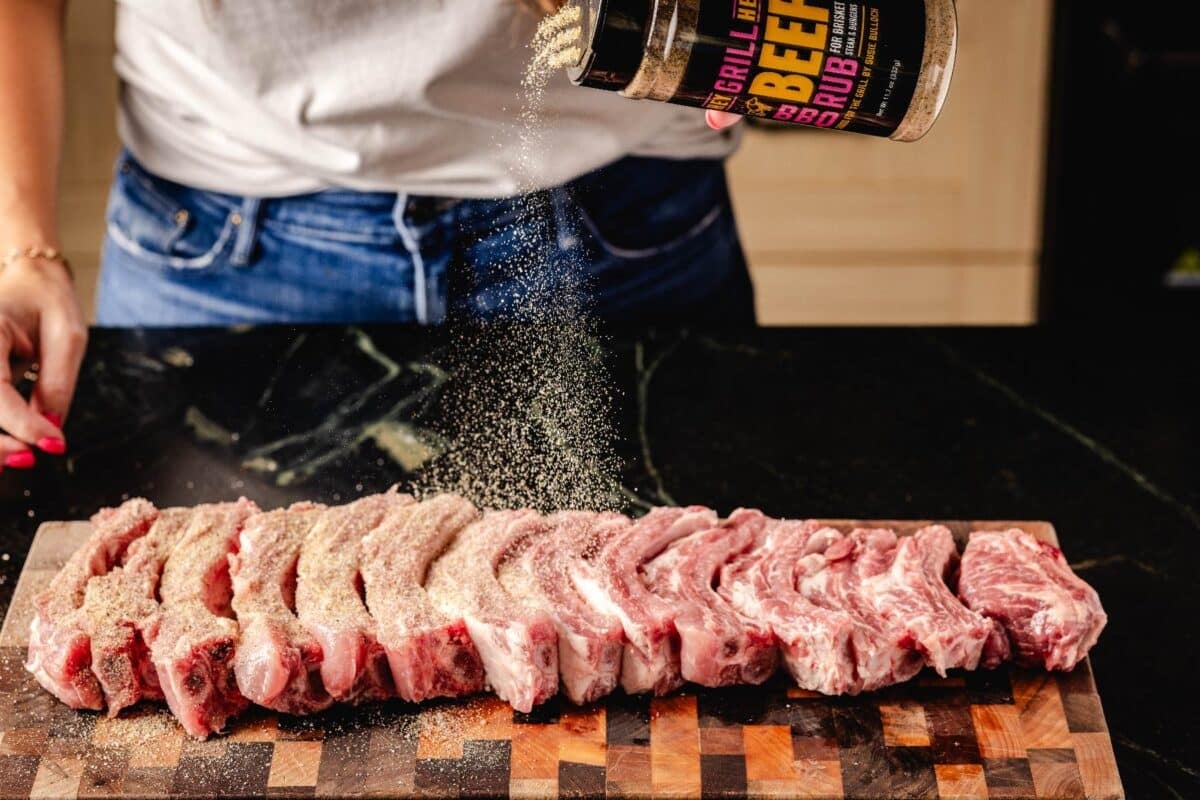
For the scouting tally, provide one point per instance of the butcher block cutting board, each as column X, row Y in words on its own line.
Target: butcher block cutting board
column 1007, row 733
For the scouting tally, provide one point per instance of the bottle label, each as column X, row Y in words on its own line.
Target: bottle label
column 824, row 63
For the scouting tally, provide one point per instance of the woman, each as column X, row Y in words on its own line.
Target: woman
column 350, row 161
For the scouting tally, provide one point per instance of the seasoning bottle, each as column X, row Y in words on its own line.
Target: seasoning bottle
column 880, row 67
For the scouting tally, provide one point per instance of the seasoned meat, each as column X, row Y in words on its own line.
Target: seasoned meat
column 60, row 647
column 517, row 642
column 193, row 636
column 429, row 650
column 329, row 601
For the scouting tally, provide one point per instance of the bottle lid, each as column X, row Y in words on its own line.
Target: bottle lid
column 614, row 36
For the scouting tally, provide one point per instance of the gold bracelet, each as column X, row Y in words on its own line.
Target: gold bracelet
column 36, row 253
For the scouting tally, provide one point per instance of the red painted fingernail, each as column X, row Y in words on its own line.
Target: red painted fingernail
column 52, row 445
column 55, row 419
column 21, row 460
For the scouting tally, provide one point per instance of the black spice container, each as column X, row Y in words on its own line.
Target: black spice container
column 880, row 67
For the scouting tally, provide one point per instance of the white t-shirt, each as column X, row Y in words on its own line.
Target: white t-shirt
column 278, row 97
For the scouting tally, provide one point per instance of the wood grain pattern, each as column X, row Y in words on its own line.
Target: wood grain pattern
column 961, row 782
column 1011, row 734
column 998, row 731
column 674, row 747
column 904, row 725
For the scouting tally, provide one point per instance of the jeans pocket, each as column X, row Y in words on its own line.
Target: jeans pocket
column 646, row 208
column 165, row 226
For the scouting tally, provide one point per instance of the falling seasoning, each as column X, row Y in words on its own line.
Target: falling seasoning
column 529, row 417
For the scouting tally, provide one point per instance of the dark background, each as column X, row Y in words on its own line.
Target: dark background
column 1123, row 175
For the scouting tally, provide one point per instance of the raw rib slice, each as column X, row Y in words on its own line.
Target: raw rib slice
column 545, row 574
column 60, row 653
column 329, row 602
column 832, row 580
column 193, row 636
column 1051, row 616
column 429, row 651
column 277, row 662
column 118, row 604
column 718, row 646
column 817, row 643
column 912, row 595
column 517, row 643
column 650, row 662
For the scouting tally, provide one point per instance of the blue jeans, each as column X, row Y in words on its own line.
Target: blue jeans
column 640, row 240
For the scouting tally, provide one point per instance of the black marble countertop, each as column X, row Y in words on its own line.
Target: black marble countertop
column 1097, row 431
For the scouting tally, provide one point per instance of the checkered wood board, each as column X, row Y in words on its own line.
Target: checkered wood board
column 1010, row 734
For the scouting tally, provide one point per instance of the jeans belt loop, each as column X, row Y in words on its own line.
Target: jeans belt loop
column 410, row 238
column 246, row 221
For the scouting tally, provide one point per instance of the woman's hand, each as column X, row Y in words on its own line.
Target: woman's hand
column 719, row 120
column 41, row 322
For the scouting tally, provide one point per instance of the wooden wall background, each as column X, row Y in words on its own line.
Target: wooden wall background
column 91, row 143
column 839, row 229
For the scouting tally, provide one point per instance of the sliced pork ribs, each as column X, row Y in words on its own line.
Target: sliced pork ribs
column 718, row 645
column 329, row 602
column 429, row 651
column 60, row 648
column 1051, row 617
column 912, row 595
column 816, row 641
column 548, row 572
column 833, row 581
column 193, row 636
column 517, row 642
column 118, row 605
column 278, row 661
column 214, row 607
column 650, row 662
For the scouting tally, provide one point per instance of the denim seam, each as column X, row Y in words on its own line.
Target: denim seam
column 420, row 296
column 175, row 262
column 622, row 252
column 328, row 234
column 247, row 233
